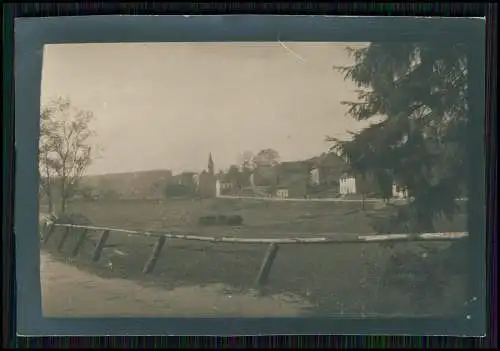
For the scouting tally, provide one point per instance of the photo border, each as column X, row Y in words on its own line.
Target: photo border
column 31, row 34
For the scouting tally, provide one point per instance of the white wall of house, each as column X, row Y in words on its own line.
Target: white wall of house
column 217, row 188
column 347, row 185
column 399, row 192
column 282, row 193
column 314, row 176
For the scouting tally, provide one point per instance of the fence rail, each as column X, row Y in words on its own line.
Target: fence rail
column 273, row 243
column 333, row 238
column 330, row 199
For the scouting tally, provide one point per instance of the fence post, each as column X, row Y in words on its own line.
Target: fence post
column 148, row 267
column 265, row 268
column 79, row 243
column 63, row 238
column 100, row 246
column 50, row 230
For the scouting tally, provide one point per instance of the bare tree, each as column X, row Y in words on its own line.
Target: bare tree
column 64, row 149
column 46, row 171
column 245, row 159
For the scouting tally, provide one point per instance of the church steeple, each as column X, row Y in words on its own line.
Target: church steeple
column 210, row 164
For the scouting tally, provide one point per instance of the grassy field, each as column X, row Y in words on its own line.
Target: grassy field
column 337, row 279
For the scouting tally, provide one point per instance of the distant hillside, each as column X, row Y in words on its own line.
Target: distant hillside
column 143, row 184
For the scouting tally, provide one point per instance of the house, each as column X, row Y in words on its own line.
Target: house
column 326, row 169
column 293, row 186
column 399, row 191
column 282, row 193
column 287, row 179
column 314, row 177
column 347, row 185
column 293, row 167
column 286, row 169
column 361, row 184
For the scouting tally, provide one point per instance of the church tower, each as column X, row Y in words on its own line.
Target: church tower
column 210, row 165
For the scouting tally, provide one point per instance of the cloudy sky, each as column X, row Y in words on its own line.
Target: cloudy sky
column 166, row 106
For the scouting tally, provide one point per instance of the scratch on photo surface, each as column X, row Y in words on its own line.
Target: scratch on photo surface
column 300, row 58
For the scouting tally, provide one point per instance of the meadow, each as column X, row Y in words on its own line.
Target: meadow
column 406, row 279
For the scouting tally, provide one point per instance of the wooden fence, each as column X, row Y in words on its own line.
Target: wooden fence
column 267, row 262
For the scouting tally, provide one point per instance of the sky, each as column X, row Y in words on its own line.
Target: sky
column 168, row 105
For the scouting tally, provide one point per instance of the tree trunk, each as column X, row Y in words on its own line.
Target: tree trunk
column 48, row 192
column 63, row 204
column 64, row 197
column 51, row 205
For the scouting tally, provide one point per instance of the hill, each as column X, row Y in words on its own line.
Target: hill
column 142, row 184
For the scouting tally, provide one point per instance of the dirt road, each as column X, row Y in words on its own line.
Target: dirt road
column 70, row 292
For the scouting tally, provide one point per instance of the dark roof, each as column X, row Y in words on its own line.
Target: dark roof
column 331, row 160
column 295, row 166
column 292, row 179
column 290, row 163
column 312, row 161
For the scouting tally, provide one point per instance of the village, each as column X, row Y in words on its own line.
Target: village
column 323, row 177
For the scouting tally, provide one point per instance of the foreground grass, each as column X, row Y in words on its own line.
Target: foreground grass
column 336, row 279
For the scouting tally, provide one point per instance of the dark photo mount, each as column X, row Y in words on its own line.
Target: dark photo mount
column 32, row 34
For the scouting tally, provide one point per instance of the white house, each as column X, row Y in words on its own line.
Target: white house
column 399, row 191
column 347, row 185
column 225, row 185
column 282, row 193
column 314, row 176
column 217, row 188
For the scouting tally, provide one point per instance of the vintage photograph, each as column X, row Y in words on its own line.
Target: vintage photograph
column 253, row 179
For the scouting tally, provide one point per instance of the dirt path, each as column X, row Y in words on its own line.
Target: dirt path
column 69, row 292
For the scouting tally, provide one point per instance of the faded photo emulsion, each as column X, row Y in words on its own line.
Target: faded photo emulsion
column 256, row 179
